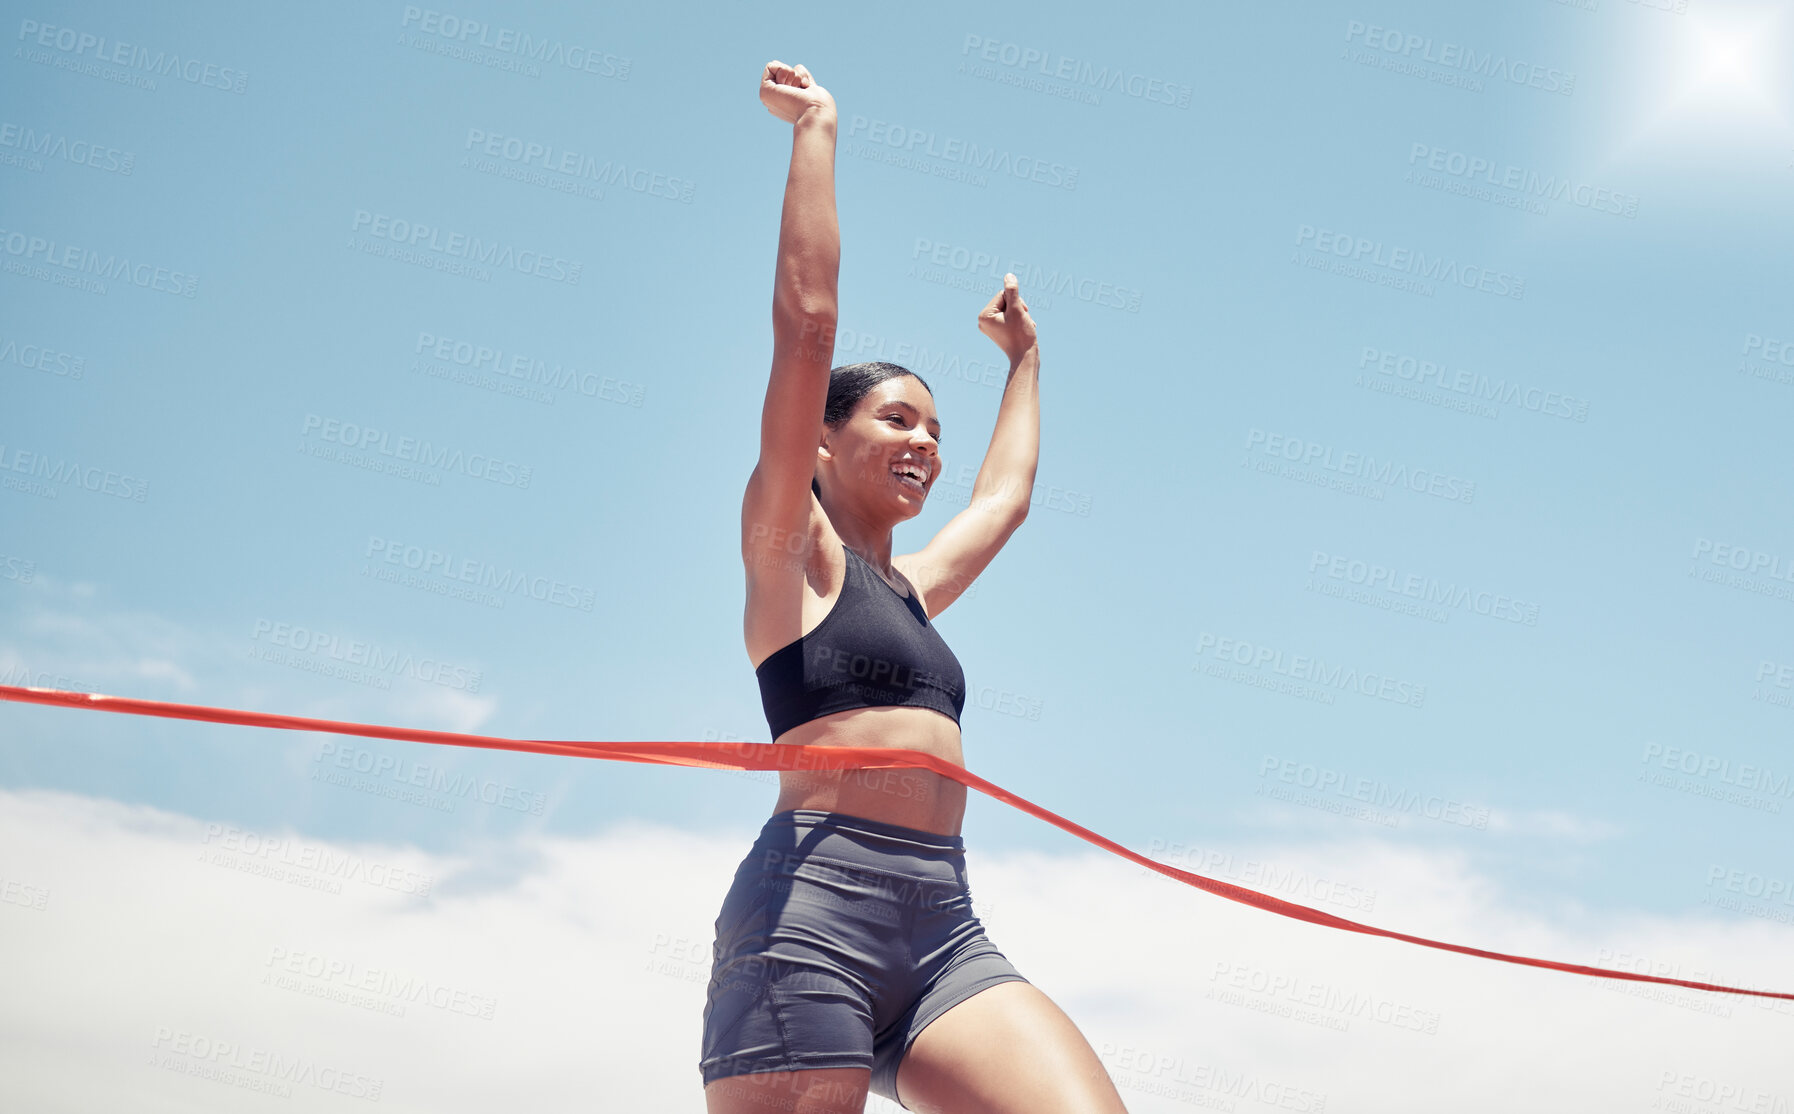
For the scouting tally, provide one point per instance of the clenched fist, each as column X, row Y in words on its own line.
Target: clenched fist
column 789, row 91
column 1005, row 320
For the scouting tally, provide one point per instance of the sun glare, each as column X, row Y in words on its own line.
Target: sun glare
column 1713, row 75
column 1730, row 63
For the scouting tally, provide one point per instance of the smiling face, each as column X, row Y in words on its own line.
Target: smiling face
column 885, row 457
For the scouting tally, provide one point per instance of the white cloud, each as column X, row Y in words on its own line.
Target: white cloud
column 1554, row 824
column 72, row 639
column 593, row 954
column 70, row 636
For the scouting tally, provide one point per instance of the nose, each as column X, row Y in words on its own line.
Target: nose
column 930, row 451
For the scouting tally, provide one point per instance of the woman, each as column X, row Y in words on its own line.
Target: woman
column 847, row 957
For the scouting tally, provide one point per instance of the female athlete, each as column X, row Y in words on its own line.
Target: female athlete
column 847, row 958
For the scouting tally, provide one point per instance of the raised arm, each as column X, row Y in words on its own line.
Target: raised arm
column 1005, row 481
column 971, row 539
column 777, row 505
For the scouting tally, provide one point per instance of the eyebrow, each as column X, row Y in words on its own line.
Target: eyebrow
column 933, row 421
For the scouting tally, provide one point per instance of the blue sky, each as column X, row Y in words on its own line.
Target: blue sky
column 1491, row 299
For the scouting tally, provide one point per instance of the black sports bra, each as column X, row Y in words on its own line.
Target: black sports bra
column 873, row 649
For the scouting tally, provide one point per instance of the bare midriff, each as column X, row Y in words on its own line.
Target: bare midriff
column 906, row 796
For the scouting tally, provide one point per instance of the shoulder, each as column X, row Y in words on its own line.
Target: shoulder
column 908, row 568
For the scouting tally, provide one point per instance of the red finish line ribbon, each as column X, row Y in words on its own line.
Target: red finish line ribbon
column 790, row 756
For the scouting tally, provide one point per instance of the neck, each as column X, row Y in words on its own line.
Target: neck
column 869, row 538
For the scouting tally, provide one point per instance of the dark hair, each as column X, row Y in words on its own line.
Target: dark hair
column 850, row 383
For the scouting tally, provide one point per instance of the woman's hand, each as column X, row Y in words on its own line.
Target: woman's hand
column 1005, row 320
column 789, row 91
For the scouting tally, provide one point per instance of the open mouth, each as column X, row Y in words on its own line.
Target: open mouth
column 912, row 477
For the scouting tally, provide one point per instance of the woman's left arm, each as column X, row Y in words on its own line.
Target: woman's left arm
column 962, row 549
column 1006, row 480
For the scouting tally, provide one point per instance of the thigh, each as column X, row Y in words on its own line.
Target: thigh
column 817, row 1091
column 796, row 988
column 1008, row 1049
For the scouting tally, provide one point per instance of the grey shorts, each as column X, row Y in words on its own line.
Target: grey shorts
column 840, row 939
